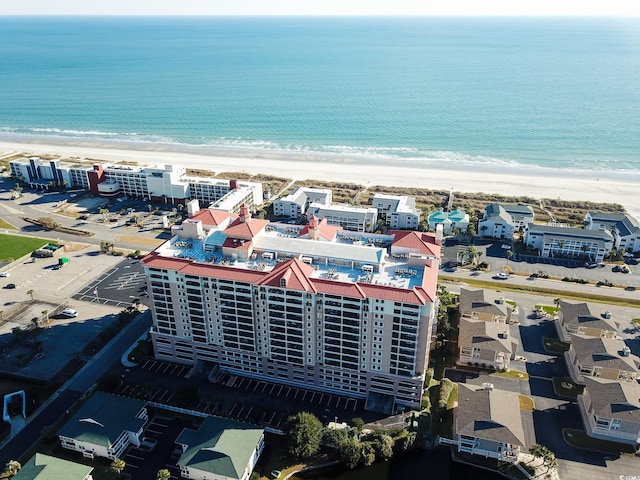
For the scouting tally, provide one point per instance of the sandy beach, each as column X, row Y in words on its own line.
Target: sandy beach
column 503, row 180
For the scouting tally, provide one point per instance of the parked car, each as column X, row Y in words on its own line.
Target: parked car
column 4, row 274
column 616, row 268
column 10, row 285
column 69, row 312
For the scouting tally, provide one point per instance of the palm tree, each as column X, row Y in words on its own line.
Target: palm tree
column 30, row 293
column 472, row 254
column 509, row 255
column 12, row 467
column 45, row 316
column 163, row 474
column 117, row 466
column 104, row 212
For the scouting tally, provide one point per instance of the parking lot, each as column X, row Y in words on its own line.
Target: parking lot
column 158, row 446
column 118, row 286
column 239, row 398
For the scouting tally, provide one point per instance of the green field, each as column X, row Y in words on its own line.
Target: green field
column 14, row 247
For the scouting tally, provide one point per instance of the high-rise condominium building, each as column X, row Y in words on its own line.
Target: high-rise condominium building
column 314, row 306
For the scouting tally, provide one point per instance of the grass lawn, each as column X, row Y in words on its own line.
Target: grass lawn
column 553, row 345
column 14, row 247
column 564, row 387
column 452, row 401
column 636, row 320
column 579, row 439
column 550, row 309
column 515, row 374
column 526, row 403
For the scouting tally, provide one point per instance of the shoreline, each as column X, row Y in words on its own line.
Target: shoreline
column 614, row 187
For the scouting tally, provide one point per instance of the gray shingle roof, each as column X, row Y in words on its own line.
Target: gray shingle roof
column 580, row 314
column 485, row 335
column 625, row 224
column 612, row 399
column 602, row 352
column 489, row 414
column 220, row 446
column 479, row 301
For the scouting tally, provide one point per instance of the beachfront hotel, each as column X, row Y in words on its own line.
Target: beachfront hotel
column 555, row 241
column 162, row 183
column 398, row 211
column 314, row 306
column 356, row 219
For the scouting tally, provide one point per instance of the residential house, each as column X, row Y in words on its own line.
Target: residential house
column 105, row 426
column 220, row 449
column 454, row 220
column 579, row 318
column 485, row 306
column 624, row 229
column 610, row 410
column 568, row 242
column 487, row 344
column 488, row 423
column 45, row 467
column 501, row 220
column 608, row 358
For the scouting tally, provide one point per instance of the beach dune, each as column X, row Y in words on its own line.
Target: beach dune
column 367, row 171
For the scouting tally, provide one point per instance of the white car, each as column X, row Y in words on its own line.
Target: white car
column 4, row 274
column 69, row 312
column 501, row 276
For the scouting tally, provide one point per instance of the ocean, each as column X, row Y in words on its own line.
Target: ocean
column 560, row 93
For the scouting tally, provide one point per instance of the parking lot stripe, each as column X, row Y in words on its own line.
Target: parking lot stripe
column 338, row 402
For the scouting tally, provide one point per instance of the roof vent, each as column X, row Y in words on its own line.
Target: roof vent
column 487, row 386
column 504, row 334
column 626, row 351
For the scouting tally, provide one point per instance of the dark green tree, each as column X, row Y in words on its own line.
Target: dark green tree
column 383, row 446
column 367, row 455
column 304, row 432
column 351, row 453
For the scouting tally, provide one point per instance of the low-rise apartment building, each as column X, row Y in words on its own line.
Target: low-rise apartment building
column 398, row 211
column 610, row 410
column 46, row 467
column 579, row 318
column 104, row 426
column 568, row 242
column 608, row 358
column 296, row 204
column 484, row 305
column 624, row 229
column 315, row 306
column 501, row 220
column 357, row 219
column 485, row 344
column 488, row 423
column 220, row 449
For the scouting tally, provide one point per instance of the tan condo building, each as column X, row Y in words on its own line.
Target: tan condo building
column 313, row 306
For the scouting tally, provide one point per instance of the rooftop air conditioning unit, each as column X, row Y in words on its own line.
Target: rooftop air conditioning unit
column 487, row 386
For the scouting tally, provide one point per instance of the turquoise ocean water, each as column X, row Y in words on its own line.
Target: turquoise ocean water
column 561, row 93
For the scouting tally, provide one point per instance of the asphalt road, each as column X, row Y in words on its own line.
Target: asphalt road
column 108, row 359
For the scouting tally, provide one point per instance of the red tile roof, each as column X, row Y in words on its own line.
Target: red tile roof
column 245, row 230
column 326, row 231
column 295, row 273
column 424, row 243
column 212, row 217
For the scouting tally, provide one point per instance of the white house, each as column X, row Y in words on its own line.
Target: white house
column 357, row 219
column 624, row 229
column 220, row 449
column 105, row 426
column 552, row 241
